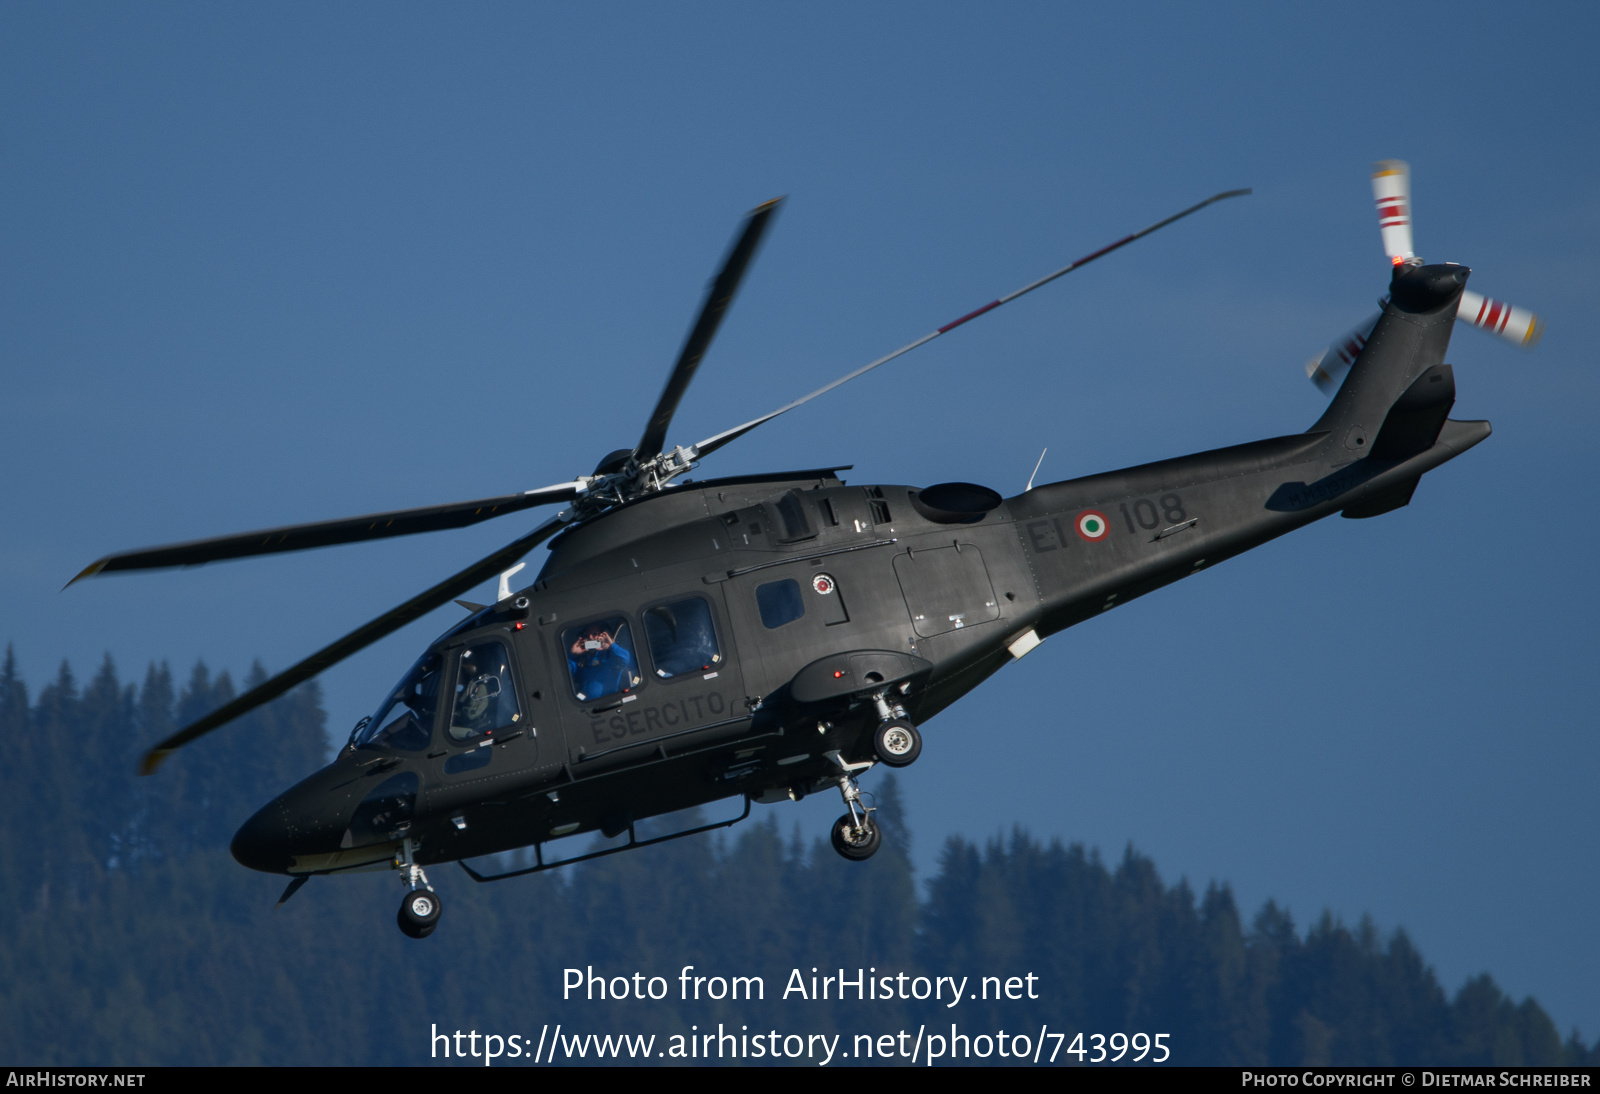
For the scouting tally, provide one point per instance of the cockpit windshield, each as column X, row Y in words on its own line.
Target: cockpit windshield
column 405, row 720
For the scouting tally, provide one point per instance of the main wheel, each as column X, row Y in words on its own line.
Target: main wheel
column 419, row 913
column 897, row 742
column 855, row 842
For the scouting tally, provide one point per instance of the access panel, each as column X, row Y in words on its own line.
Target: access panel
column 946, row 589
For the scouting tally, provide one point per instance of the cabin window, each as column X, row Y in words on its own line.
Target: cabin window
column 405, row 720
column 600, row 658
column 485, row 696
column 779, row 602
column 682, row 638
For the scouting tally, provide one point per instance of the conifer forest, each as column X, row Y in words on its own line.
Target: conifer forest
column 136, row 939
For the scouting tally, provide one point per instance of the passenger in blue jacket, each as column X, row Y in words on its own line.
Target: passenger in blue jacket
column 600, row 664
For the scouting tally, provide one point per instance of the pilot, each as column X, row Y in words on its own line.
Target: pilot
column 476, row 705
column 599, row 664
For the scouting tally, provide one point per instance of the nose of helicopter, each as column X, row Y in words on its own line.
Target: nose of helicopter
column 347, row 811
column 262, row 842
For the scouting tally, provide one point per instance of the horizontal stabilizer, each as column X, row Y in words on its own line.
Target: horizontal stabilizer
column 1384, row 501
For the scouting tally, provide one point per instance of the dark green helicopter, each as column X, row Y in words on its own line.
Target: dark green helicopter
column 770, row 636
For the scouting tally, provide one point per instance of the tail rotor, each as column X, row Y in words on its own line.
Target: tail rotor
column 1391, row 189
column 1391, row 192
column 1519, row 326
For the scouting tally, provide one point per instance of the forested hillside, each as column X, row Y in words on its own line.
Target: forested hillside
column 136, row 939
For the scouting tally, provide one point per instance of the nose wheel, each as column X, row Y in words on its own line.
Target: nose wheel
column 419, row 911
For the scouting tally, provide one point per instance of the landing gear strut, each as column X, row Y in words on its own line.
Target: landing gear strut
column 419, row 912
column 855, row 835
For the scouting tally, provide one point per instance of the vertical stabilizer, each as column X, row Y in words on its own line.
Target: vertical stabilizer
column 1411, row 337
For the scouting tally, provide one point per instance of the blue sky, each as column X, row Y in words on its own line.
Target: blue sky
column 273, row 264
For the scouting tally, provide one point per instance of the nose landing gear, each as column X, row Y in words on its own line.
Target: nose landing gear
column 419, row 912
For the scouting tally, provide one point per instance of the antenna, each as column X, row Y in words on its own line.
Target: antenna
column 1036, row 467
column 505, row 581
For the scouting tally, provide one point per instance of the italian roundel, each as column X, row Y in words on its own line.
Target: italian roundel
column 1092, row 525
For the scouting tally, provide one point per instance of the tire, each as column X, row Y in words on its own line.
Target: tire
column 411, row 930
column 897, row 743
column 853, row 843
column 419, row 913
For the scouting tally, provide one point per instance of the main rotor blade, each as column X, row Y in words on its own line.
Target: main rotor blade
column 299, row 537
column 358, row 639
column 718, row 297
column 711, row 444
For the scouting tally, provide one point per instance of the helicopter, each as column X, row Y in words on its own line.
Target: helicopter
column 766, row 637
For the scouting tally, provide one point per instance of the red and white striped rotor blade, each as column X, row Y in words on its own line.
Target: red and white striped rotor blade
column 1516, row 325
column 1327, row 371
column 1391, row 189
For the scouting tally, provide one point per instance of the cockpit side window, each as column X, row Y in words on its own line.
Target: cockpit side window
column 682, row 638
column 485, row 693
column 405, row 720
column 600, row 658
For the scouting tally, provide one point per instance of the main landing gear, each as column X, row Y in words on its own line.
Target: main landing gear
column 855, row 835
column 896, row 740
column 419, row 912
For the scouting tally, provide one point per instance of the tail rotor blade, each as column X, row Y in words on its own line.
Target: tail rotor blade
column 1327, row 371
column 1391, row 189
column 1516, row 325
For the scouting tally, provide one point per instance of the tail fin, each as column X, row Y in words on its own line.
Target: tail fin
column 1410, row 338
